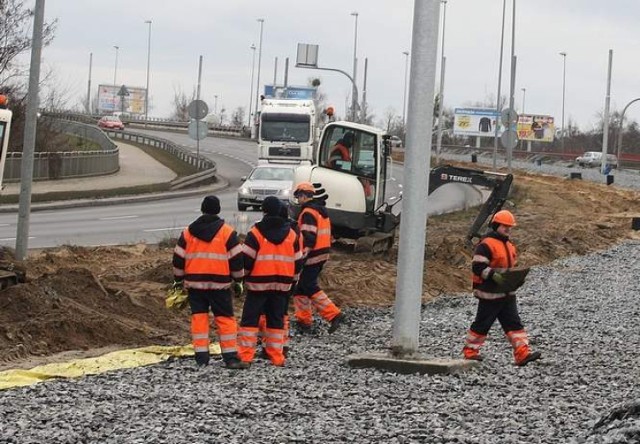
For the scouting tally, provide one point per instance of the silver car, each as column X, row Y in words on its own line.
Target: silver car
column 266, row 180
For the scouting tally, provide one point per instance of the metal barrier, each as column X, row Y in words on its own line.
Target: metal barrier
column 75, row 164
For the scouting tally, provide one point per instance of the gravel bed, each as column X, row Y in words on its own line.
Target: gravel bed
column 623, row 178
column 581, row 312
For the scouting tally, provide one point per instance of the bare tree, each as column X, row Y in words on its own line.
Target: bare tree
column 181, row 102
column 15, row 36
column 237, row 118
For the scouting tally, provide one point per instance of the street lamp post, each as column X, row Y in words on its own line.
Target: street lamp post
column 564, row 82
column 524, row 92
column 261, row 21
column 215, row 104
column 253, row 67
column 354, row 98
column 498, row 98
column 115, row 75
column 621, row 129
column 146, row 93
column 404, row 97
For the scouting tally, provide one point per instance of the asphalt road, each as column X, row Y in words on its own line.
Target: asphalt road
column 155, row 221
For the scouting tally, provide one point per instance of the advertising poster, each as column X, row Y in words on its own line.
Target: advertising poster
column 290, row 92
column 536, row 128
column 478, row 122
column 109, row 100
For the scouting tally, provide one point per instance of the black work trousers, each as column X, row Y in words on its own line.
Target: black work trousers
column 308, row 284
column 219, row 301
column 505, row 310
column 272, row 303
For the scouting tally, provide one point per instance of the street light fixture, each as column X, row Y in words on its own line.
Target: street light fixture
column 261, row 21
column 253, row 67
column 146, row 94
column 404, row 99
column 354, row 98
column 564, row 82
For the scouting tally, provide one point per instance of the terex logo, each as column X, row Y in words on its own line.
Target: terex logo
column 452, row 178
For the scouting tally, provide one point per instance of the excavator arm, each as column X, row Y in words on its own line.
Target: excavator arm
column 499, row 183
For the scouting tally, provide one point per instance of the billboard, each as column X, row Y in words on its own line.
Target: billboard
column 536, row 128
column 478, row 122
column 289, row 92
column 109, row 100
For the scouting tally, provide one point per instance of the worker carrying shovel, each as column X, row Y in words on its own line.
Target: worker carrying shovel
column 495, row 280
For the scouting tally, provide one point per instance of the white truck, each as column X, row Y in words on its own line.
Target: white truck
column 287, row 130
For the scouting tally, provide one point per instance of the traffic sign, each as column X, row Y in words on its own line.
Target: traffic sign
column 509, row 117
column 509, row 139
column 198, row 129
column 198, row 109
column 123, row 91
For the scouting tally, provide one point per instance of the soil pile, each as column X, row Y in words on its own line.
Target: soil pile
column 87, row 298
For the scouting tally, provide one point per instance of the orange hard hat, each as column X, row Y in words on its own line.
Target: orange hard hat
column 304, row 187
column 504, row 217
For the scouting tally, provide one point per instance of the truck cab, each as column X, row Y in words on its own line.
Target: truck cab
column 287, row 129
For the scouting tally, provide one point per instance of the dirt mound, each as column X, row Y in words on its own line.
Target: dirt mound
column 84, row 298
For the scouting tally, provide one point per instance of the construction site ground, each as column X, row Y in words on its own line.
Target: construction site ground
column 80, row 302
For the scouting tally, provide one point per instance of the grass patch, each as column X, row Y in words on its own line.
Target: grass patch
column 167, row 159
column 88, row 194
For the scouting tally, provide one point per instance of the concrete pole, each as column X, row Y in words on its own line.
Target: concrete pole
column 404, row 92
column 564, row 83
column 364, row 89
column 89, row 84
column 275, row 73
column 498, row 98
column 286, row 72
column 424, row 50
column 29, row 141
column 607, row 104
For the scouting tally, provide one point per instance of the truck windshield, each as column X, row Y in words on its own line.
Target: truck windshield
column 285, row 128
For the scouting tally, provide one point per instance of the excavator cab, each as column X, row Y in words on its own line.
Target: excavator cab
column 352, row 164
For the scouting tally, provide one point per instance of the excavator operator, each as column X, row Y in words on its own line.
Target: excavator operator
column 341, row 151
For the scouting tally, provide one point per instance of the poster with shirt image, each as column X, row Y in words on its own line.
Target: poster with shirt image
column 478, row 122
column 537, row 128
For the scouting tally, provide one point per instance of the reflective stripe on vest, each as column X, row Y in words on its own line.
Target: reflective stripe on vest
column 207, row 263
column 274, row 266
column 503, row 257
column 320, row 251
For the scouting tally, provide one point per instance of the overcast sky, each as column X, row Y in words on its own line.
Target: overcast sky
column 223, row 31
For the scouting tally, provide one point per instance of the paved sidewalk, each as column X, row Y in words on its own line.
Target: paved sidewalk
column 136, row 168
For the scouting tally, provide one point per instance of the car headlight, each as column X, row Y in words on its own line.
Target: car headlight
column 244, row 190
column 285, row 193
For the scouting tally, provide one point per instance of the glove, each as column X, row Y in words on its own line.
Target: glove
column 176, row 299
column 238, row 288
column 498, row 278
column 177, row 284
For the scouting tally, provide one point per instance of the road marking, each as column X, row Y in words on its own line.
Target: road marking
column 118, row 217
column 13, row 238
column 161, row 229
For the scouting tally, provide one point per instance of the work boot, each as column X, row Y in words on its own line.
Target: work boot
column 478, row 358
column 335, row 322
column 285, row 351
column 202, row 358
column 263, row 354
column 302, row 329
column 236, row 364
column 530, row 358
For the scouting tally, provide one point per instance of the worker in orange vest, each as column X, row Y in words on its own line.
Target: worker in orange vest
column 315, row 227
column 272, row 262
column 207, row 262
column 341, row 151
column 492, row 256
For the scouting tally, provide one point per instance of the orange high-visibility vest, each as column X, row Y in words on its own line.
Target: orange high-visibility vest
column 503, row 257
column 274, row 267
column 320, row 251
column 207, row 263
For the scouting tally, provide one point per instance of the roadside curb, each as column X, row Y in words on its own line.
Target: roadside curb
column 44, row 206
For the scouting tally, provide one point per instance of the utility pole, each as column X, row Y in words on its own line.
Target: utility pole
column 29, row 141
column 89, row 84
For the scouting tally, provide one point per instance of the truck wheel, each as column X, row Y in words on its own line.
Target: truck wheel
column 242, row 207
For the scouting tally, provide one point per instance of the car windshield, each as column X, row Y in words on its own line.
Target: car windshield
column 272, row 174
